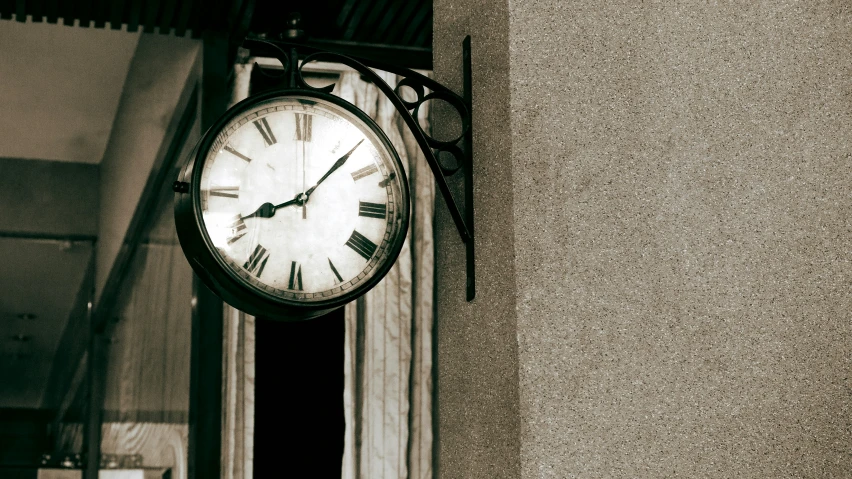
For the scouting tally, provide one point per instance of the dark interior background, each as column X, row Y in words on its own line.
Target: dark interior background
column 399, row 31
column 304, row 357
column 299, row 396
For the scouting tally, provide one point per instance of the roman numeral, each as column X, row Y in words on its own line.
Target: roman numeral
column 372, row 210
column 238, row 229
column 225, row 191
column 265, row 131
column 257, row 261
column 365, row 171
column 303, row 126
column 334, row 270
column 361, row 245
column 237, row 153
column 295, row 276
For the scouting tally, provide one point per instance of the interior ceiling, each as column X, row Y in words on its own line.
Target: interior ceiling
column 405, row 24
column 41, row 278
column 60, row 88
column 400, row 23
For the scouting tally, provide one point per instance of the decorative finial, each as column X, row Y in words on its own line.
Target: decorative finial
column 294, row 27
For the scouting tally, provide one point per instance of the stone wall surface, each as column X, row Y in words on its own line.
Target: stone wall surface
column 477, row 364
column 680, row 249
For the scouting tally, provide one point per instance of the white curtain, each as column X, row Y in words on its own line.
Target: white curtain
column 238, row 359
column 388, row 357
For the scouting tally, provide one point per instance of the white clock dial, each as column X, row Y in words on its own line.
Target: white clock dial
column 301, row 199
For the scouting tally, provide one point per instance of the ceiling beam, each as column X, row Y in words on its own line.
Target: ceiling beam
column 48, row 199
column 408, row 57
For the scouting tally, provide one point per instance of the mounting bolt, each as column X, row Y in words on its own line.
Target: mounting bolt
column 180, row 187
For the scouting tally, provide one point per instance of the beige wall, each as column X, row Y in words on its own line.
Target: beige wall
column 662, row 219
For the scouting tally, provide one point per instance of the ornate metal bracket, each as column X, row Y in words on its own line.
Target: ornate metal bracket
column 459, row 148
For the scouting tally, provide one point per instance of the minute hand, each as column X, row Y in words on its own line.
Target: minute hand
column 337, row 164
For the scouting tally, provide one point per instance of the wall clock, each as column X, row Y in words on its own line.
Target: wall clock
column 294, row 203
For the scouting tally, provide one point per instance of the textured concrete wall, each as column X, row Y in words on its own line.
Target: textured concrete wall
column 681, row 196
column 477, row 357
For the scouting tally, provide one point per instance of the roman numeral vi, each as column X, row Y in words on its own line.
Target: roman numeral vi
column 295, row 276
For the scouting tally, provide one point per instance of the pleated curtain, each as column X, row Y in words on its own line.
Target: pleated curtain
column 238, row 371
column 388, row 357
column 388, row 343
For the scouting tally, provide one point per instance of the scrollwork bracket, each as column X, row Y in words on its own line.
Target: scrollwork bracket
column 460, row 148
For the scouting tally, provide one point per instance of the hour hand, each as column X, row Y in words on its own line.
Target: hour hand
column 266, row 210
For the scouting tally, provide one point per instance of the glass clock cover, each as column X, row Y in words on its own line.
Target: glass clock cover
column 301, row 199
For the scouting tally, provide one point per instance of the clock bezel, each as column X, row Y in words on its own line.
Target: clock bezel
column 208, row 263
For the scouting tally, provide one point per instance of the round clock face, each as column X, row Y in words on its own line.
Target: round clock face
column 302, row 199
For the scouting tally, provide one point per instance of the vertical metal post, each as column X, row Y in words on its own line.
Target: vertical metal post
column 96, row 385
column 294, row 65
column 468, row 173
column 205, row 390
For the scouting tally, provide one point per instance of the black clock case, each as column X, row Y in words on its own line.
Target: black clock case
column 205, row 260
